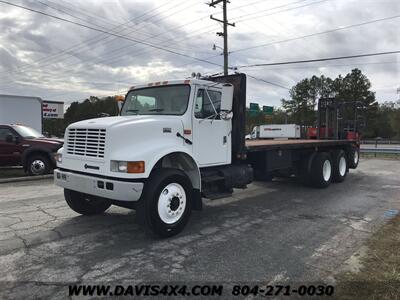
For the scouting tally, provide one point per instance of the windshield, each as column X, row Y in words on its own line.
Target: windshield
column 160, row 100
column 27, row 132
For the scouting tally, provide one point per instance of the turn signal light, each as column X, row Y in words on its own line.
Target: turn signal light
column 135, row 167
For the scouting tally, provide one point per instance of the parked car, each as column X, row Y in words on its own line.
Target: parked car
column 23, row 145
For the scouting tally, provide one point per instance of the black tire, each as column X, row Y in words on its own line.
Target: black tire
column 317, row 170
column 148, row 207
column 85, row 204
column 353, row 158
column 38, row 164
column 339, row 166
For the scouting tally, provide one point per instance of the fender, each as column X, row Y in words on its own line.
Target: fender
column 196, row 179
column 171, row 150
column 310, row 160
column 28, row 151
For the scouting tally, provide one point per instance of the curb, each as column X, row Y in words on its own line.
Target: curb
column 25, row 178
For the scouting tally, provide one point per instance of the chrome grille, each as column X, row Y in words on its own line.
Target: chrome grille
column 86, row 142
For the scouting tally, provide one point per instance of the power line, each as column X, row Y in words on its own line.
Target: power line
column 258, row 1
column 91, row 41
column 275, row 30
column 284, row 10
column 69, row 14
column 269, row 82
column 363, row 64
column 98, row 38
column 81, row 11
column 68, row 70
column 318, row 59
column 109, row 33
column 317, row 33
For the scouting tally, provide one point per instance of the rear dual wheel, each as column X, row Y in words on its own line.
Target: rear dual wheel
column 322, row 168
column 354, row 158
column 340, row 167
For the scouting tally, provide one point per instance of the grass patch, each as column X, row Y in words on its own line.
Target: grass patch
column 12, row 172
column 379, row 276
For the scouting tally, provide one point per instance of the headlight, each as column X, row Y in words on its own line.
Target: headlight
column 58, row 157
column 127, row 166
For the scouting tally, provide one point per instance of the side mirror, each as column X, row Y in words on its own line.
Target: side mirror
column 227, row 97
column 120, row 103
column 17, row 140
column 9, row 138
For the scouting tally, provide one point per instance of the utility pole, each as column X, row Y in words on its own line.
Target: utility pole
column 225, row 26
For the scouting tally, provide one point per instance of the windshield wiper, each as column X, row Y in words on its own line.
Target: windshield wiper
column 156, row 109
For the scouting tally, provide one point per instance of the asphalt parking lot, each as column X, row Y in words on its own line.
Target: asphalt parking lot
column 272, row 232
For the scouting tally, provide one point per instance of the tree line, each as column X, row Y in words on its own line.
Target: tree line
column 381, row 119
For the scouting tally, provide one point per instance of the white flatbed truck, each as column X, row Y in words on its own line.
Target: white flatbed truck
column 175, row 142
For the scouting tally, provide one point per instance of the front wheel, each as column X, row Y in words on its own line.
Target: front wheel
column 85, row 204
column 167, row 202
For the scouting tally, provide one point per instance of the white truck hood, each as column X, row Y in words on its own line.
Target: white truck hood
column 127, row 138
column 115, row 121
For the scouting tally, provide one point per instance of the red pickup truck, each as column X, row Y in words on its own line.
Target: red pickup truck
column 22, row 145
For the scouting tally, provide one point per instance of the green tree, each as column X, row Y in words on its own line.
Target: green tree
column 304, row 96
column 91, row 108
column 355, row 86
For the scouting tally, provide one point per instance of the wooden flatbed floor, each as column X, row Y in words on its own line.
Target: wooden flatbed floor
column 254, row 145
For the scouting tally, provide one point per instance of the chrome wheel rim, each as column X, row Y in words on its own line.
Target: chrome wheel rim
column 326, row 170
column 38, row 167
column 171, row 203
column 355, row 157
column 342, row 166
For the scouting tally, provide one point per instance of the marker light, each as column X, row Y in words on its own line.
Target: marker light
column 127, row 166
column 136, row 167
column 58, row 157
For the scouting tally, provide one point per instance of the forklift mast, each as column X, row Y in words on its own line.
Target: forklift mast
column 338, row 119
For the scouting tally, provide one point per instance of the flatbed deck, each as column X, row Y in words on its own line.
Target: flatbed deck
column 255, row 145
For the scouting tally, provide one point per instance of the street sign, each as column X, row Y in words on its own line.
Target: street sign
column 268, row 110
column 254, row 107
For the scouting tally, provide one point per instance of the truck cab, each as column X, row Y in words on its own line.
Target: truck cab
column 151, row 156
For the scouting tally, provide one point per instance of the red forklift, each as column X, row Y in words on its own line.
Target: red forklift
column 338, row 120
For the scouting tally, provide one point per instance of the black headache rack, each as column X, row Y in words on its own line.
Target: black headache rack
column 239, row 113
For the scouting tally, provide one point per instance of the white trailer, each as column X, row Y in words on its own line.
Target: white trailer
column 21, row 110
column 276, row 131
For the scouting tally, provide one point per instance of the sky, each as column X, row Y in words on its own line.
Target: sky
column 55, row 60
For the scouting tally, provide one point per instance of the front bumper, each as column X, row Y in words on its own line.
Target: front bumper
column 105, row 188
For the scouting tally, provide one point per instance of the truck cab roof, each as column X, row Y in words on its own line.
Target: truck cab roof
column 175, row 81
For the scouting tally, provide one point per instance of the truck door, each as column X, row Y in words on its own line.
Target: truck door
column 211, row 135
column 9, row 154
